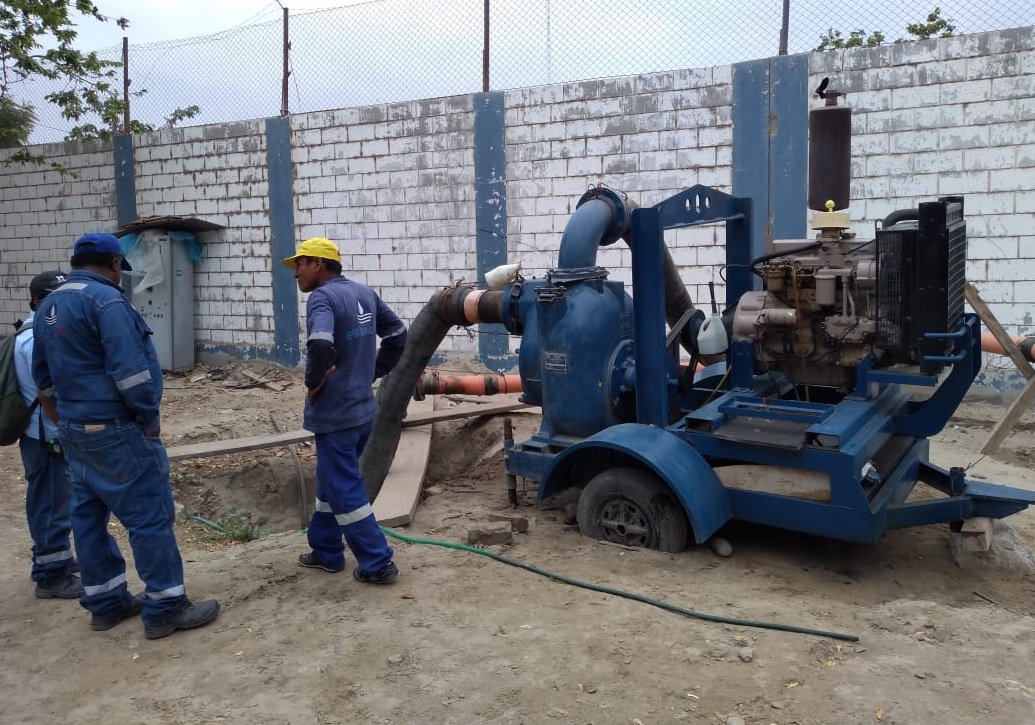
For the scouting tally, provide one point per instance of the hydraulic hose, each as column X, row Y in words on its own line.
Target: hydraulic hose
column 784, row 253
column 620, row 593
column 447, row 308
column 900, row 215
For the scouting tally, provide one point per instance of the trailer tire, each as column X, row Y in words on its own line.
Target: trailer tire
column 632, row 507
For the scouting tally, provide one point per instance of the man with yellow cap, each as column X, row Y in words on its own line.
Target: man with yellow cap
column 344, row 319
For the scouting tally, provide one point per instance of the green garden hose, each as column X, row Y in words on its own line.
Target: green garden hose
column 626, row 595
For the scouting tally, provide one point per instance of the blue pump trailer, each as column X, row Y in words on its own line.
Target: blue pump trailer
column 805, row 420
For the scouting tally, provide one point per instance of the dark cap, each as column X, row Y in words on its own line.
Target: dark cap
column 45, row 282
column 103, row 243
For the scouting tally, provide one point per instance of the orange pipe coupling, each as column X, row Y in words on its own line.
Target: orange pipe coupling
column 488, row 384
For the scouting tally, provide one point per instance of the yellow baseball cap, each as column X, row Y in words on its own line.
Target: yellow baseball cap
column 314, row 247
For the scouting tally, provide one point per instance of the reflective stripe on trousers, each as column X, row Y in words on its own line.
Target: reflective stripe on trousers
column 118, row 470
column 48, row 503
column 342, row 507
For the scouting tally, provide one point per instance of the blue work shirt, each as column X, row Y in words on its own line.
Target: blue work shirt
column 94, row 354
column 27, row 386
column 350, row 316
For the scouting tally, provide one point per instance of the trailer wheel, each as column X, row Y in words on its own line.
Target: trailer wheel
column 633, row 507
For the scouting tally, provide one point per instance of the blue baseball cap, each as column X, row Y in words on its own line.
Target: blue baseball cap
column 100, row 242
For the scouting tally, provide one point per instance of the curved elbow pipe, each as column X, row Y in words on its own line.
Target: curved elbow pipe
column 601, row 217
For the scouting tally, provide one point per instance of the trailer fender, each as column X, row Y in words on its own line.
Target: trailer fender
column 673, row 460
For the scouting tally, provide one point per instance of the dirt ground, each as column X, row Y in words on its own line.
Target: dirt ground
column 463, row 638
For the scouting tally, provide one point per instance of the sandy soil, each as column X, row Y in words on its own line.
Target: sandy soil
column 463, row 638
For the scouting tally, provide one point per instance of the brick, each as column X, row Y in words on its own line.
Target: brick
column 990, row 112
column 990, row 158
column 963, row 137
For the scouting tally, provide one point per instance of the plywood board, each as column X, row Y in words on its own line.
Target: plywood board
column 396, row 502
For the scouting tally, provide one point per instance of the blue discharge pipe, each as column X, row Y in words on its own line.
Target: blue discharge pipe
column 600, row 219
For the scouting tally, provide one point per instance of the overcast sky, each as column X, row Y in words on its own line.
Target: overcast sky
column 225, row 56
column 151, row 21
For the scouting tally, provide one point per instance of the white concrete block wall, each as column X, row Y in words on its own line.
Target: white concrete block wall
column 950, row 116
column 649, row 136
column 43, row 210
column 393, row 186
column 217, row 173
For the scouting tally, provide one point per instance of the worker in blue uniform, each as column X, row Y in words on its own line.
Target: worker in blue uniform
column 95, row 358
column 344, row 319
column 48, row 497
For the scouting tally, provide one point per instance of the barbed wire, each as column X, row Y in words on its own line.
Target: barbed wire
column 385, row 51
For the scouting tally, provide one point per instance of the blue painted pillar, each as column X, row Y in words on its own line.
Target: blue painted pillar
column 649, row 318
column 125, row 181
column 490, row 214
column 770, row 146
column 282, row 241
column 125, row 189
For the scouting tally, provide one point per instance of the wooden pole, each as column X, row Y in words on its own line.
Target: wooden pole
column 485, row 47
column 990, row 321
column 1016, row 410
column 1013, row 414
column 287, row 70
column 784, row 26
column 125, row 85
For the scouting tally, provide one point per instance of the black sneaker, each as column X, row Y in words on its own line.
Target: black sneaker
column 66, row 587
column 387, row 575
column 186, row 616
column 312, row 561
column 104, row 621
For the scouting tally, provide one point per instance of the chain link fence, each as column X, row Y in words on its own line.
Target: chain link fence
column 394, row 50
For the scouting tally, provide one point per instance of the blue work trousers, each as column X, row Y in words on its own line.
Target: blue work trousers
column 48, row 503
column 342, row 507
column 116, row 469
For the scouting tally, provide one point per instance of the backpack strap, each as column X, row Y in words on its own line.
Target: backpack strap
column 36, row 403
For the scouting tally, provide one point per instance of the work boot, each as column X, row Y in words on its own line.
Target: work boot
column 185, row 616
column 312, row 561
column 131, row 607
column 388, row 574
column 65, row 587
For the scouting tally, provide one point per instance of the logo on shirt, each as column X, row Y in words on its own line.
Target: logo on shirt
column 363, row 317
column 51, row 316
column 363, row 327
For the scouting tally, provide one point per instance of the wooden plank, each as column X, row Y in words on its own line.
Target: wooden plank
column 1013, row 414
column 251, row 443
column 237, row 445
column 396, row 502
column 261, row 380
column 1000, row 334
column 469, row 410
column 1016, row 410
